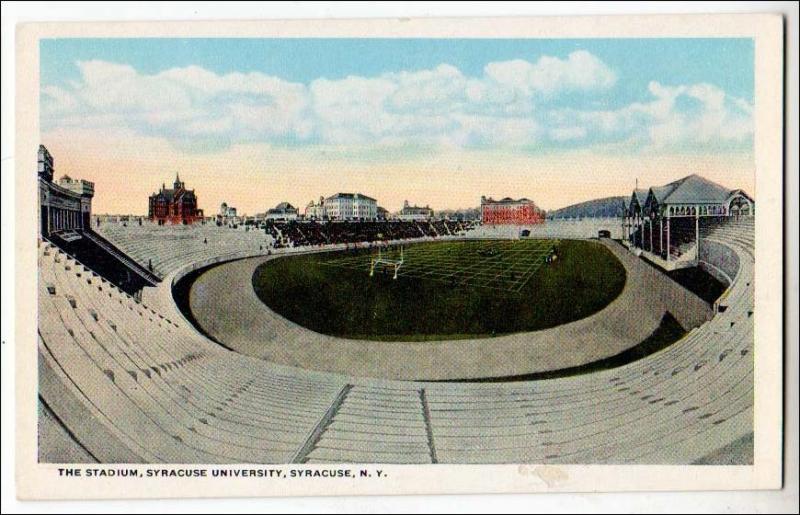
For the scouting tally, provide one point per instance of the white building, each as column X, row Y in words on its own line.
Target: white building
column 414, row 213
column 343, row 206
column 226, row 211
column 316, row 210
column 227, row 215
column 283, row 211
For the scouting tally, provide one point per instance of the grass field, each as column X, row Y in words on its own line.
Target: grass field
column 444, row 290
column 508, row 268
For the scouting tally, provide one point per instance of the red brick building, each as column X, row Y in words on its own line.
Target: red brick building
column 175, row 206
column 510, row 212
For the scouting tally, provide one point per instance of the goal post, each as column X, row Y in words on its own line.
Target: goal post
column 387, row 262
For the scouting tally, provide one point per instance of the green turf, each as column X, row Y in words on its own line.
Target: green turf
column 445, row 290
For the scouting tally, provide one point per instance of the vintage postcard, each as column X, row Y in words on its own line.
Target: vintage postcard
column 399, row 256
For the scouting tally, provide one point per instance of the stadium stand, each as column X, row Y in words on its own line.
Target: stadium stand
column 106, row 259
column 132, row 383
column 166, row 248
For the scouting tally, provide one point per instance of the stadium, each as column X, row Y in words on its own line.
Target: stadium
column 552, row 340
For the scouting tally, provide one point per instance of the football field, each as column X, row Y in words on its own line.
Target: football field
column 505, row 265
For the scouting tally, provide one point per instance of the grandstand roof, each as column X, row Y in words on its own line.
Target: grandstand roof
column 692, row 189
column 640, row 195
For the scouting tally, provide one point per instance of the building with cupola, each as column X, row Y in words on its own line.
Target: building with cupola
column 176, row 205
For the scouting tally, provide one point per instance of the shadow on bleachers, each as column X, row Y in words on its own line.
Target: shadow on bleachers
column 132, row 385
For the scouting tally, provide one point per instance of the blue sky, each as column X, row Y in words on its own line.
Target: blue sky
column 452, row 115
column 726, row 63
column 203, row 95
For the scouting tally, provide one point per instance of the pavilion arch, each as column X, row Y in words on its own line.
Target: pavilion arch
column 740, row 204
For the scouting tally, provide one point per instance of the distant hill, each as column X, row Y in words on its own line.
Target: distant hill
column 602, row 207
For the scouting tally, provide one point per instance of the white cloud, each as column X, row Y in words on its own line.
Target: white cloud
column 59, row 99
column 579, row 71
column 512, row 103
column 677, row 117
column 567, row 133
column 180, row 102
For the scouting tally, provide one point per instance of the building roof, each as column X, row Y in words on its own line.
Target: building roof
column 662, row 192
column 349, row 196
column 415, row 209
column 284, row 206
column 692, row 189
column 170, row 194
column 506, row 200
column 640, row 194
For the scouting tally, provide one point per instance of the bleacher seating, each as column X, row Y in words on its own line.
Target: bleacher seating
column 107, row 261
column 741, row 231
column 163, row 249
column 138, row 384
column 167, row 248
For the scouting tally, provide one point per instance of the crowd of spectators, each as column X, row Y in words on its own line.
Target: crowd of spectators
column 313, row 233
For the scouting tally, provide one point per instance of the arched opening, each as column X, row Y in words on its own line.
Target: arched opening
column 740, row 206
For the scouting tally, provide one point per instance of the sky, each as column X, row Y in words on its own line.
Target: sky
column 254, row 122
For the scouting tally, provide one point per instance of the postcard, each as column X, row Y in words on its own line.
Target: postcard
column 395, row 256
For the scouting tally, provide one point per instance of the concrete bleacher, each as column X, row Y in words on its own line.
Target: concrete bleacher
column 169, row 248
column 134, row 382
column 741, row 231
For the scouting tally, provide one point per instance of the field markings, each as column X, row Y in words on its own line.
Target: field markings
column 534, row 267
column 509, row 269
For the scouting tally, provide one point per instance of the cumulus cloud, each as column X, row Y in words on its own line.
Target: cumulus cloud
column 511, row 103
column 675, row 117
column 180, row 103
column 579, row 71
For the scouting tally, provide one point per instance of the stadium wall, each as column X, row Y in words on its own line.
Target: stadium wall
column 560, row 228
column 687, row 308
column 718, row 260
column 235, row 316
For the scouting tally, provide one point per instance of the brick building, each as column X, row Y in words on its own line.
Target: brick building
column 175, row 206
column 508, row 211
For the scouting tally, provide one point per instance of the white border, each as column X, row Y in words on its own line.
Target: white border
column 173, row 11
